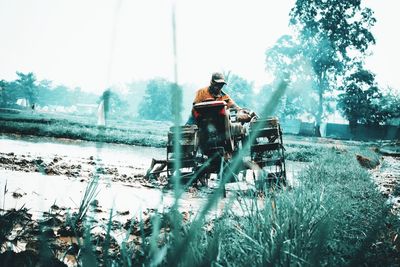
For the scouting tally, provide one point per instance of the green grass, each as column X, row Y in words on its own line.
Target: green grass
column 303, row 153
column 85, row 128
column 308, row 226
column 334, row 218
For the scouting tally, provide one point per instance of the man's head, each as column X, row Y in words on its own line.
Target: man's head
column 217, row 82
column 218, row 77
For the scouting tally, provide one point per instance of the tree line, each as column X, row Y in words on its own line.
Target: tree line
column 144, row 99
column 324, row 59
column 361, row 100
column 42, row 93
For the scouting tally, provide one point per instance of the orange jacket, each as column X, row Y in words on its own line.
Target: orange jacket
column 203, row 94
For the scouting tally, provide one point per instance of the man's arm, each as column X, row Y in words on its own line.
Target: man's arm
column 231, row 104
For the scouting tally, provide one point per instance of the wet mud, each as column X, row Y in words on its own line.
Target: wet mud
column 57, row 236
column 84, row 169
column 387, row 177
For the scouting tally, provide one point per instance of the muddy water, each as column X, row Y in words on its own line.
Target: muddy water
column 39, row 192
column 106, row 153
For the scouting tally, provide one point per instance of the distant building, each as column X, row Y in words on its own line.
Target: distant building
column 23, row 102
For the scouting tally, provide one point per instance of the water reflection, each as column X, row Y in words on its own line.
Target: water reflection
column 107, row 153
column 39, row 192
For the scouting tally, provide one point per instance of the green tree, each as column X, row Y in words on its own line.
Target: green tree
column 291, row 106
column 82, row 97
column 113, row 104
column 285, row 59
column 3, row 93
column 156, row 103
column 10, row 93
column 44, row 90
column 332, row 33
column 240, row 90
column 389, row 105
column 134, row 95
column 26, row 83
column 363, row 102
column 61, row 96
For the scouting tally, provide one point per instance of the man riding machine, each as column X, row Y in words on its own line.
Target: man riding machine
column 214, row 135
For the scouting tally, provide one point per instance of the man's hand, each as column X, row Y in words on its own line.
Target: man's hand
column 243, row 115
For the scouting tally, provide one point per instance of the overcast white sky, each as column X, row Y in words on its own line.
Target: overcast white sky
column 96, row 43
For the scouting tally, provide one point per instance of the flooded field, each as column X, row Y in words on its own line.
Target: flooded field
column 45, row 180
column 38, row 173
column 75, row 149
